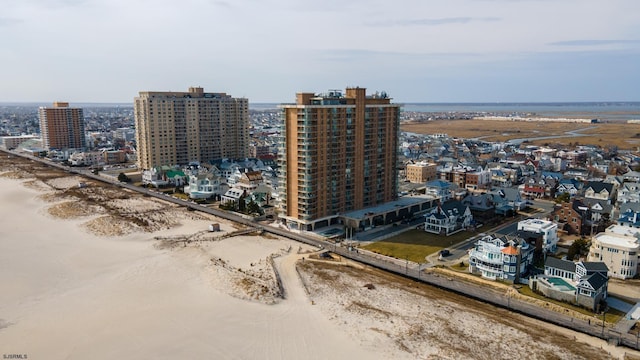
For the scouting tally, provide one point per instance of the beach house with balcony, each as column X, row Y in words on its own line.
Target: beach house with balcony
column 501, row 258
column 448, row 218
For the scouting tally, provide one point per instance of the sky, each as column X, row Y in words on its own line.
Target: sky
column 268, row 50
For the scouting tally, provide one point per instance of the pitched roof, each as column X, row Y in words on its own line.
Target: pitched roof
column 441, row 184
column 599, row 186
column 595, row 266
column 455, row 207
column 630, row 206
column 510, row 250
column 560, row 264
column 553, row 175
column 596, row 280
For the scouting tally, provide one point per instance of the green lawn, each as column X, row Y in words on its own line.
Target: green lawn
column 415, row 244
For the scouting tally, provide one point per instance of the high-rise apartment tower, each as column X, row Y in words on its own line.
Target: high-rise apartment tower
column 62, row 127
column 176, row 128
column 338, row 153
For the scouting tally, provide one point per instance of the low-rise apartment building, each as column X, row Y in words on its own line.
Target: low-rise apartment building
column 421, row 172
column 617, row 247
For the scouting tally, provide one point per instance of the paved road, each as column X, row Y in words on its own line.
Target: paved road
column 404, row 268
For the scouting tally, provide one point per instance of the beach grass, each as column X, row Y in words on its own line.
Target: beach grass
column 622, row 135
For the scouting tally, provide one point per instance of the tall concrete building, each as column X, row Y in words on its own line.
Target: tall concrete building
column 62, row 127
column 175, row 128
column 338, row 153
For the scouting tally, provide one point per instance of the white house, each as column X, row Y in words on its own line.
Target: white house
column 599, row 190
column 618, row 247
column 548, row 229
column 582, row 283
column 500, row 258
column 232, row 195
column 439, row 189
column 629, row 192
column 448, row 218
column 205, row 185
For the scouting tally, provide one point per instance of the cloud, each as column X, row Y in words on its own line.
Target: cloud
column 433, row 22
column 593, row 42
column 357, row 54
column 9, row 21
column 220, row 3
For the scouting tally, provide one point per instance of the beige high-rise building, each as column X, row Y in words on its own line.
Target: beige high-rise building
column 62, row 127
column 338, row 153
column 175, row 128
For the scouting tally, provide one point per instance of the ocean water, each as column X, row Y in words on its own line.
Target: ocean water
column 612, row 111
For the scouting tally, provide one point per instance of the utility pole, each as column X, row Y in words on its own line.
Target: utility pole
column 406, row 269
column 604, row 315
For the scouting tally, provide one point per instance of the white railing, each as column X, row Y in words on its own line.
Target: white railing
column 484, row 258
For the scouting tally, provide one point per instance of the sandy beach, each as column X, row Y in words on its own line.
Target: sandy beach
column 83, row 279
column 70, row 294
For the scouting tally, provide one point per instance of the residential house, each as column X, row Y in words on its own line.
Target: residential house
column 501, row 258
column 154, row 176
column 233, row 195
column 548, row 230
column 599, row 190
column 630, row 206
column 582, row 283
column 205, row 185
column 439, row 189
column 481, row 206
column 86, row 158
column 570, row 186
column 617, row 181
column 573, row 217
column 629, row 192
column 448, row 218
column 507, row 201
column 631, row 176
column 175, row 177
column 601, row 212
column 630, row 218
column 538, row 187
column 577, row 173
column 501, row 177
column 551, row 175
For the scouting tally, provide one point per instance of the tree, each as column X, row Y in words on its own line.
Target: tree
column 253, row 208
column 578, row 248
column 563, row 197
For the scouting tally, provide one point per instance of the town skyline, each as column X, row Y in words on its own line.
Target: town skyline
column 464, row 51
